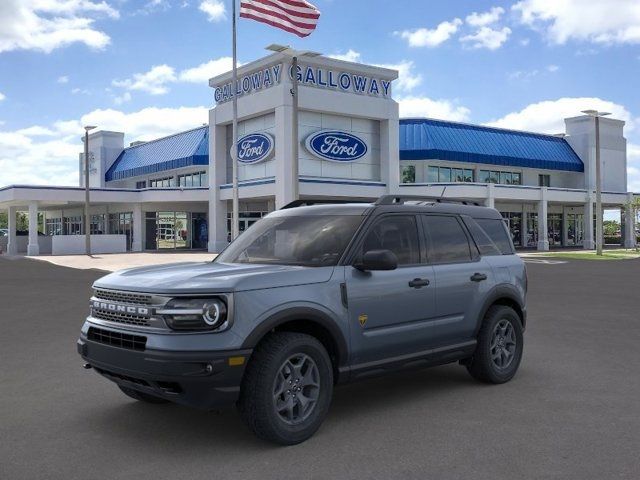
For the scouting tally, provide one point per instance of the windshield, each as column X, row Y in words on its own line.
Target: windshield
column 312, row 241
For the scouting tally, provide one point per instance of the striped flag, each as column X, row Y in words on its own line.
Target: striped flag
column 295, row 16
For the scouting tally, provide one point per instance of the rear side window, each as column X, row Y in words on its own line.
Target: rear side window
column 486, row 246
column 497, row 232
column 447, row 241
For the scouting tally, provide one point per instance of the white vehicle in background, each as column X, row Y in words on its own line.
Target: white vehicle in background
column 4, row 232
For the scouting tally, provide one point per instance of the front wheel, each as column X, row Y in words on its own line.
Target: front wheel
column 287, row 388
column 500, row 344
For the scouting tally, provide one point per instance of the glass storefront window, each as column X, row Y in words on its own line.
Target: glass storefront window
column 445, row 175
column 53, row 226
column 575, row 229
column 532, row 230
column 122, row 224
column 554, row 229
column 175, row 230
column 514, row 223
column 432, row 174
column 516, row 179
column 505, row 178
column 408, row 174
column 484, row 176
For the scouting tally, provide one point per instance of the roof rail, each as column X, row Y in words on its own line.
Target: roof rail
column 305, row 202
column 401, row 199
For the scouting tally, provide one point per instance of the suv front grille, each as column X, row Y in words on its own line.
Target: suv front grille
column 117, row 339
column 126, row 318
column 124, row 297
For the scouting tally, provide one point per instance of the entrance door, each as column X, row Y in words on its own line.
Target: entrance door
column 389, row 311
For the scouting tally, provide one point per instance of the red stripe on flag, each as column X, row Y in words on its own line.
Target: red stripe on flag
column 297, row 4
column 293, row 13
column 273, row 13
column 274, row 24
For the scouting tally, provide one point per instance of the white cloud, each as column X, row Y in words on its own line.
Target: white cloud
column 214, row 9
column 154, row 81
column 203, row 72
column 486, row 18
column 488, row 38
column 49, row 154
column 63, row 79
column 548, row 116
column 424, row 37
column 407, row 78
column 2, row 96
column 124, row 98
column 553, row 68
column 45, row 25
column 526, row 75
column 415, row 106
column 596, row 21
column 349, row 56
column 525, row 41
column 82, row 91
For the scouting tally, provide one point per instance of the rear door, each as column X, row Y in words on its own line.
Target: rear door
column 390, row 311
column 462, row 277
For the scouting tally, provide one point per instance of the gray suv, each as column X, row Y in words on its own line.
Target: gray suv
column 311, row 296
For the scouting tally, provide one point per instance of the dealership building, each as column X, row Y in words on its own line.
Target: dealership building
column 176, row 192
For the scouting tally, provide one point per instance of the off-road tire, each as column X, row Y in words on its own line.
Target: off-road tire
column 481, row 366
column 141, row 396
column 257, row 405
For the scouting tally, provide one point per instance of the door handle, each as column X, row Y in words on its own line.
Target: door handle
column 418, row 282
column 478, row 277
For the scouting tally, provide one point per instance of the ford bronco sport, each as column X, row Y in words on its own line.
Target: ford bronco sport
column 309, row 297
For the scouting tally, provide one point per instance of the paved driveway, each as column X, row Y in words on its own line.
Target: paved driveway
column 572, row 412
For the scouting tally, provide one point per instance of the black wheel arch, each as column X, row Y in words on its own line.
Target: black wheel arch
column 508, row 296
column 307, row 320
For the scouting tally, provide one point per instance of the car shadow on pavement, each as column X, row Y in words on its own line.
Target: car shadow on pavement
column 186, row 430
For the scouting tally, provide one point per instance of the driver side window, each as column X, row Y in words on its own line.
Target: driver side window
column 397, row 233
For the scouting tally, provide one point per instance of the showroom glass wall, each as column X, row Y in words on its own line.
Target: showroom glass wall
column 555, row 229
column 176, row 231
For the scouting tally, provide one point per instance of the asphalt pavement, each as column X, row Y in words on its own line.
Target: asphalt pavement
column 572, row 411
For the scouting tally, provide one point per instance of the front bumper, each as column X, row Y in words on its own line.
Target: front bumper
column 204, row 380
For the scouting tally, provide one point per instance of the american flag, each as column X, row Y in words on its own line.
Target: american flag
column 295, row 16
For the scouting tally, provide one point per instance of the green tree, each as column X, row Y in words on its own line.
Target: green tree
column 611, row 228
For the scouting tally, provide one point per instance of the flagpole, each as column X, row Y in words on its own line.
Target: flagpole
column 235, row 221
column 294, row 131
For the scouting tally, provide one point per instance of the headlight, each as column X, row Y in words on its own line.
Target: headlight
column 195, row 314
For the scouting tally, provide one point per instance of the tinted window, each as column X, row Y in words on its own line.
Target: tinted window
column 448, row 242
column 311, row 241
column 398, row 234
column 497, row 231
column 486, row 246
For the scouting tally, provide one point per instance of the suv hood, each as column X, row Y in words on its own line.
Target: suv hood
column 208, row 277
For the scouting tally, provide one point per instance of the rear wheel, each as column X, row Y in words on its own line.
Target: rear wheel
column 500, row 344
column 141, row 396
column 287, row 388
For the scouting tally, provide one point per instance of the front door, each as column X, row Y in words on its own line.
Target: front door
column 390, row 311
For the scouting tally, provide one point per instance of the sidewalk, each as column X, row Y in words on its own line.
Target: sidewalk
column 118, row 261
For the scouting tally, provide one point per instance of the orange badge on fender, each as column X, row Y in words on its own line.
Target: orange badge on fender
column 363, row 319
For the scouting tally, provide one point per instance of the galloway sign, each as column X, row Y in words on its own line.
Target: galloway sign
column 255, row 148
column 336, row 146
column 264, row 78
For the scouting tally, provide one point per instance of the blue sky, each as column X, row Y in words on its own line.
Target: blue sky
column 142, row 66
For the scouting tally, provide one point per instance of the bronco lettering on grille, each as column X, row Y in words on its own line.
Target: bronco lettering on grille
column 114, row 307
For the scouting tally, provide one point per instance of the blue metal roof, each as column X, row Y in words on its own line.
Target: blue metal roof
column 180, row 150
column 427, row 139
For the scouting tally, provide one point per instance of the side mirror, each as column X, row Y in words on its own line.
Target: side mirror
column 377, row 260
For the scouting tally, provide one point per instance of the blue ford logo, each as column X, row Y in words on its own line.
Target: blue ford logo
column 255, row 147
column 336, row 146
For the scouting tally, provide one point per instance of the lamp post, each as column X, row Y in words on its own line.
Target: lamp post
column 87, row 217
column 294, row 54
column 596, row 114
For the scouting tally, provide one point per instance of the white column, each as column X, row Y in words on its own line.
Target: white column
column 629, row 224
column 543, row 236
column 12, row 246
column 136, row 244
column 490, row 200
column 284, row 156
column 32, row 247
column 218, row 209
column 588, row 242
column 565, row 227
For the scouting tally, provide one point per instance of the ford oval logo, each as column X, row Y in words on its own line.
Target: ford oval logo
column 336, row 146
column 255, row 147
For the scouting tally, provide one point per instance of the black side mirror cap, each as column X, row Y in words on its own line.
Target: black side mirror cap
column 377, row 260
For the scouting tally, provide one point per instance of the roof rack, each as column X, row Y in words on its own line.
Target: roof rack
column 401, row 199
column 306, row 202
